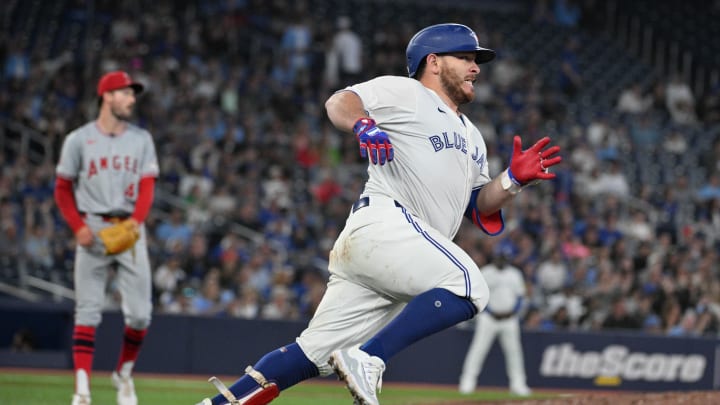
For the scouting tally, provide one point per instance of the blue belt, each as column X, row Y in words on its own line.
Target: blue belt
column 364, row 202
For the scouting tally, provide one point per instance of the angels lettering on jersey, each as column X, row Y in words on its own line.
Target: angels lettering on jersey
column 116, row 163
column 458, row 142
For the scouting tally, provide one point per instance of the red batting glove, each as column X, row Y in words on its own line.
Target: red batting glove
column 527, row 166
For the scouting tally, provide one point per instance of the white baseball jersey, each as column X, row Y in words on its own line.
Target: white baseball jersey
column 399, row 244
column 506, row 286
column 107, row 169
column 440, row 156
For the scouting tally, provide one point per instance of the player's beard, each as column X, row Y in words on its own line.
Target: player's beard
column 453, row 86
column 120, row 112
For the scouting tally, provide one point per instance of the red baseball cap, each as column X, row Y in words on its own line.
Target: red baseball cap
column 117, row 80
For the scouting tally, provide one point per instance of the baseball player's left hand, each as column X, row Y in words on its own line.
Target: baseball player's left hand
column 119, row 237
column 373, row 141
column 532, row 164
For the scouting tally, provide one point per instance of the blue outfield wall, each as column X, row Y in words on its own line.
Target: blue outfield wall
column 199, row 345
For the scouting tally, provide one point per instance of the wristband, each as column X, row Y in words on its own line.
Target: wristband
column 509, row 183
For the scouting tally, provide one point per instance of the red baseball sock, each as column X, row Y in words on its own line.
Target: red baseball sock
column 132, row 340
column 83, row 348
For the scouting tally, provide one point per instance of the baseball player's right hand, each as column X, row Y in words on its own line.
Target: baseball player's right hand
column 532, row 164
column 84, row 236
column 373, row 141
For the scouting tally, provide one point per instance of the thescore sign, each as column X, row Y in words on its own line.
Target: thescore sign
column 618, row 361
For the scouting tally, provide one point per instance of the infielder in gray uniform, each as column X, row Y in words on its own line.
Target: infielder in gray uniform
column 106, row 172
column 396, row 275
column 501, row 319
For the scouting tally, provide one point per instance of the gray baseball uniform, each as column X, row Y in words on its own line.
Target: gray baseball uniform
column 106, row 170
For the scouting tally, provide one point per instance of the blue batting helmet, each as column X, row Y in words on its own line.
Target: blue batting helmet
column 444, row 38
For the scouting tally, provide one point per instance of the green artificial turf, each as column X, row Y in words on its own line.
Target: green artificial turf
column 40, row 387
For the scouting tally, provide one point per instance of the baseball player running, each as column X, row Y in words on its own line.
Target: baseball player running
column 500, row 318
column 104, row 190
column 396, row 276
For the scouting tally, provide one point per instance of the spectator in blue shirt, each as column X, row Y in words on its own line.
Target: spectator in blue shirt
column 175, row 233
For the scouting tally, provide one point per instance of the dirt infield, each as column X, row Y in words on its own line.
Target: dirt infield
column 662, row 398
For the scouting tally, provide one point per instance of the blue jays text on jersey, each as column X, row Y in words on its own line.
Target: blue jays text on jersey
column 440, row 142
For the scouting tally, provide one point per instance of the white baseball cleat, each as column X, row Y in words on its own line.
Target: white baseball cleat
column 81, row 399
column 126, row 389
column 205, row 401
column 361, row 372
column 522, row 391
column 467, row 385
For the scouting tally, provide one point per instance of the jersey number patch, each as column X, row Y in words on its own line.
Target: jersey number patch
column 130, row 191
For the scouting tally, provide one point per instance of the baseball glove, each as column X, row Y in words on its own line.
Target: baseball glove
column 119, row 237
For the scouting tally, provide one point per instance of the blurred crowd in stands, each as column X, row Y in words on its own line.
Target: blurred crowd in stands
column 255, row 183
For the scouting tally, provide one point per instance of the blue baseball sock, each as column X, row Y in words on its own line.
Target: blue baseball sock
column 424, row 315
column 285, row 367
